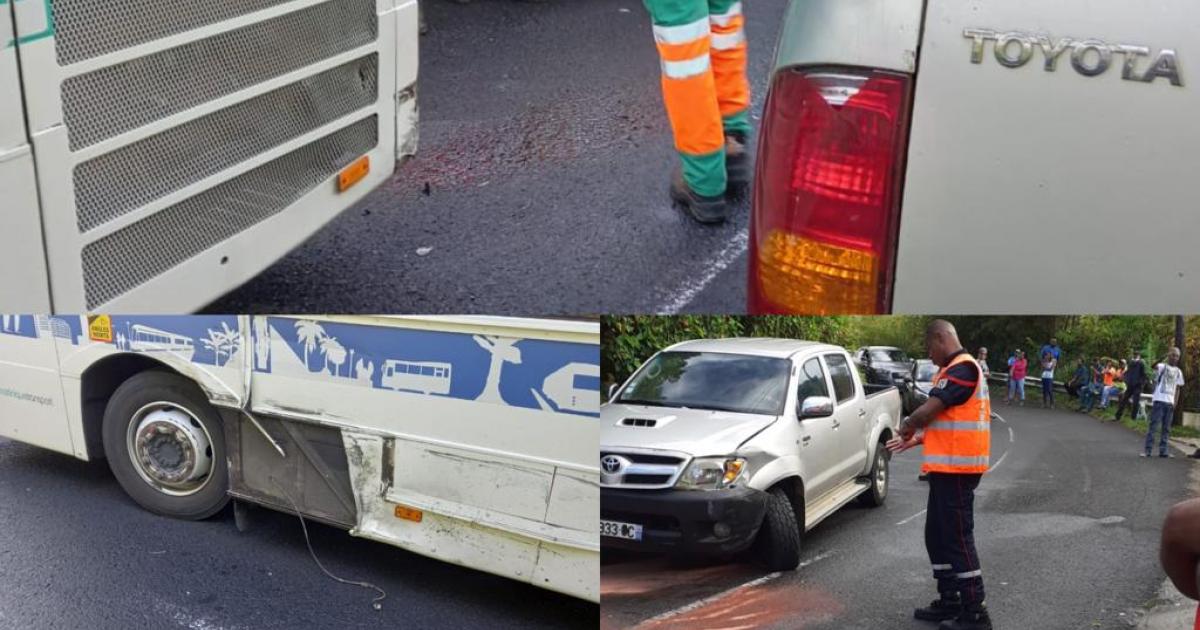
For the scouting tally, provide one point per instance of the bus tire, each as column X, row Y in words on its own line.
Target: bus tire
column 178, row 465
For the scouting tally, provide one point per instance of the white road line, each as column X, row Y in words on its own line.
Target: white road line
column 686, row 292
column 1000, row 418
column 911, row 517
column 725, row 593
column 1011, row 438
column 998, row 462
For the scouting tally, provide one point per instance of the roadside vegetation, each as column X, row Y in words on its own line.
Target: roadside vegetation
column 627, row 341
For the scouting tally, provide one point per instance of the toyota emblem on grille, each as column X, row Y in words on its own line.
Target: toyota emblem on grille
column 612, row 464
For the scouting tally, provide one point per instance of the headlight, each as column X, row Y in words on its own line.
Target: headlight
column 711, row 473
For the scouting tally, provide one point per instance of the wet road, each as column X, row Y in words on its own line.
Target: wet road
column 540, row 184
column 75, row 552
column 1067, row 528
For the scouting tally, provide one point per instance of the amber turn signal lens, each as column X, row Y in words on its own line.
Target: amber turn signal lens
column 801, row 275
column 354, row 173
column 409, row 514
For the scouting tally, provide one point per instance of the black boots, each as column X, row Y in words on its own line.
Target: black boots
column 948, row 606
column 737, row 163
column 972, row 617
column 703, row 209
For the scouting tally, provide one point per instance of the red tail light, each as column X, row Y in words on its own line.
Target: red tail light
column 827, row 192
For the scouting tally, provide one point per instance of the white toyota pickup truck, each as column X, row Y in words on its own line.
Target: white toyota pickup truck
column 979, row 156
column 718, row 446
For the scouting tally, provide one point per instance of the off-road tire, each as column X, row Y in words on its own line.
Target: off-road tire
column 777, row 546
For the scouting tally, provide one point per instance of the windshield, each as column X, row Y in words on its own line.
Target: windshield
column 889, row 356
column 711, row 380
column 926, row 372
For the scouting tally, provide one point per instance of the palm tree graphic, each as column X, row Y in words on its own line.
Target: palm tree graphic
column 310, row 334
column 335, row 353
column 503, row 351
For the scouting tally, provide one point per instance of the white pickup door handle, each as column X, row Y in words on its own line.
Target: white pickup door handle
column 862, row 413
column 836, row 424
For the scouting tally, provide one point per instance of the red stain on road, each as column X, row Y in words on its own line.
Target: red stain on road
column 757, row 606
column 743, row 607
column 660, row 579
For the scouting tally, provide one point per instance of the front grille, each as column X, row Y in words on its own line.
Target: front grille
column 89, row 28
column 122, row 260
column 112, row 184
column 645, row 458
column 118, row 98
column 645, row 470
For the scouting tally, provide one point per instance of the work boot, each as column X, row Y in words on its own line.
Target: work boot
column 703, row 209
column 972, row 617
column 737, row 162
column 923, row 477
column 948, row 606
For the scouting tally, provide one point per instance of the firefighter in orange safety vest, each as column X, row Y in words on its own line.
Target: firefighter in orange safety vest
column 702, row 49
column 954, row 425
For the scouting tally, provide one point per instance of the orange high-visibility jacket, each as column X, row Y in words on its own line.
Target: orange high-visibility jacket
column 959, row 438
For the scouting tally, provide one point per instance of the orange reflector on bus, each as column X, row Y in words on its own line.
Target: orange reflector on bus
column 354, row 173
column 409, row 514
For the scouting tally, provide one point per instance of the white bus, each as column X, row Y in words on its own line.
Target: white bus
column 151, row 161
column 417, row 376
column 146, row 339
column 498, row 484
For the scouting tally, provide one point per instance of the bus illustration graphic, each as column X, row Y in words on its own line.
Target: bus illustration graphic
column 143, row 338
column 426, row 377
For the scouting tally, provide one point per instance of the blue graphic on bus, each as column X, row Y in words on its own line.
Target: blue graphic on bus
column 537, row 374
column 205, row 339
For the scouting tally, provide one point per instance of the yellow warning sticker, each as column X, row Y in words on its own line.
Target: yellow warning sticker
column 100, row 328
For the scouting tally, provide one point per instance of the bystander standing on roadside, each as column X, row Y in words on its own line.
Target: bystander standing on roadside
column 1053, row 349
column 982, row 360
column 1168, row 385
column 1017, row 371
column 1048, row 365
column 1135, row 379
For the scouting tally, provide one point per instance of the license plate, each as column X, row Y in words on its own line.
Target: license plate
column 614, row 529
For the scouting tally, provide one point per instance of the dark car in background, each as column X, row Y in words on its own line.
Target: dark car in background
column 881, row 364
column 920, row 380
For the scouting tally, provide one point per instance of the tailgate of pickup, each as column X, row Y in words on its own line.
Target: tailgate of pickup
column 1048, row 182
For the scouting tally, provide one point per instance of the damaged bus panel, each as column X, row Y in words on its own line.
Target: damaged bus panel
column 466, row 439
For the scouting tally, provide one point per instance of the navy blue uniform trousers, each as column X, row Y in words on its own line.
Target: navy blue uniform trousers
column 950, row 535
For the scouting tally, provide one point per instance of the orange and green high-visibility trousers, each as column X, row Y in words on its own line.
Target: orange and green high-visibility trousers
column 703, row 51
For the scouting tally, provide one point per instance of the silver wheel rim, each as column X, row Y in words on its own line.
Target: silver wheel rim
column 881, row 474
column 170, row 449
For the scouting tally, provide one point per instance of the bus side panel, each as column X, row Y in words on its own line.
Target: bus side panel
column 32, row 406
column 25, row 285
column 471, row 443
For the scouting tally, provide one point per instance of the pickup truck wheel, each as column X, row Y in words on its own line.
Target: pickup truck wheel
column 877, row 493
column 777, row 546
column 164, row 445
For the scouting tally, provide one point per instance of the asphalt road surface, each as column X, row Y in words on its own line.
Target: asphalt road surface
column 1067, row 527
column 75, row 552
column 540, row 182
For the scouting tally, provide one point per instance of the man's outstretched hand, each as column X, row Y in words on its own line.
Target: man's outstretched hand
column 901, row 444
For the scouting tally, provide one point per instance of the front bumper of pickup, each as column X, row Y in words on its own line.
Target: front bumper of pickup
column 683, row 521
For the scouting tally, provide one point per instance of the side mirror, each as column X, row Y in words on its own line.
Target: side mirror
column 612, row 390
column 816, row 407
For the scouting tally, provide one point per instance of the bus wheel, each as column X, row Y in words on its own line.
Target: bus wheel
column 164, row 445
